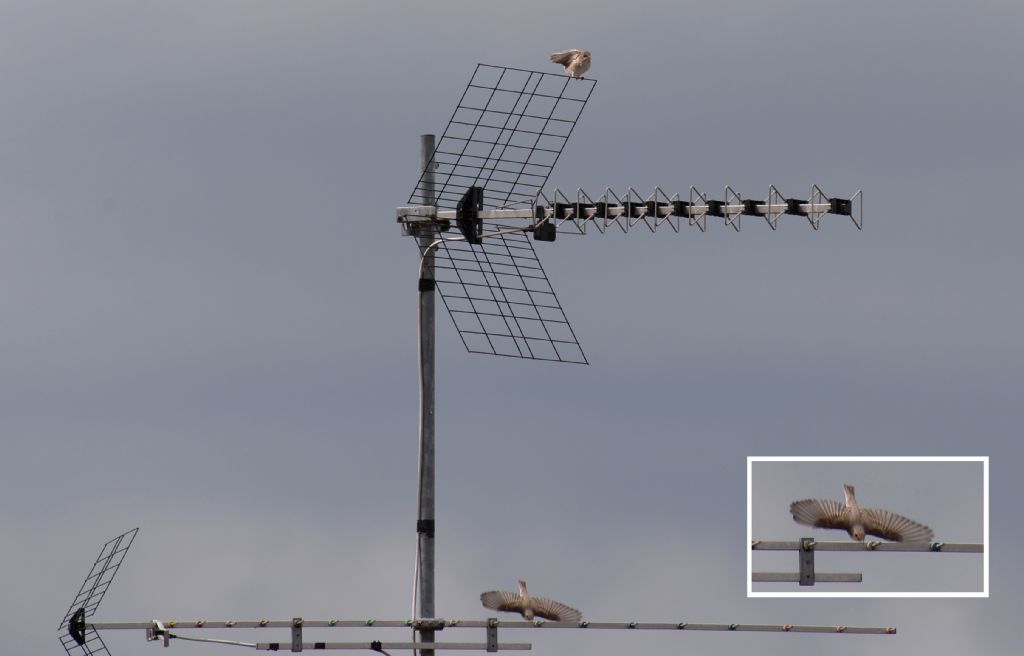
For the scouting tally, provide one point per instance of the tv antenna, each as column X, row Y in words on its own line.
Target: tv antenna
column 485, row 178
column 81, row 637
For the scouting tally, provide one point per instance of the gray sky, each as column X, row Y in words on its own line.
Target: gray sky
column 946, row 496
column 209, row 326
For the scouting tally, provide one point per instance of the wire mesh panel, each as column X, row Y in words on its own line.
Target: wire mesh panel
column 505, row 136
column 502, row 302
column 92, row 645
column 78, row 638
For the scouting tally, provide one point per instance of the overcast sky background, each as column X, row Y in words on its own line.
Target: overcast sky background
column 209, row 312
column 946, row 496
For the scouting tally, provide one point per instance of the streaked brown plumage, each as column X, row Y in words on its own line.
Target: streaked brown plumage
column 857, row 521
column 529, row 606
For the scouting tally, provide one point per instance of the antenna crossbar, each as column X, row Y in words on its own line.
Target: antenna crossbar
column 806, row 547
column 439, row 624
column 870, row 545
column 654, row 211
column 396, row 646
column 797, row 577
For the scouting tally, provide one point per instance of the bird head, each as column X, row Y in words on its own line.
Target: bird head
column 586, row 55
column 857, row 532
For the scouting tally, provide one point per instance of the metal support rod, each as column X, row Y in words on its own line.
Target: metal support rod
column 492, row 634
column 615, row 211
column 449, row 624
column 380, row 647
column 425, row 512
column 806, row 560
column 819, row 577
column 417, row 213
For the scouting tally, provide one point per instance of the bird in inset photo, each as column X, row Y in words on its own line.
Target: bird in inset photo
column 857, row 521
column 576, row 62
column 529, row 606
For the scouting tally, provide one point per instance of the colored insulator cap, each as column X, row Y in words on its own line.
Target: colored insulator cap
column 681, row 626
column 732, row 627
column 264, row 622
column 632, row 625
column 937, row 546
column 199, row 624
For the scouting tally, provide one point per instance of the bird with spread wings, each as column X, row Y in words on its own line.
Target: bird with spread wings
column 857, row 521
column 576, row 62
column 529, row 606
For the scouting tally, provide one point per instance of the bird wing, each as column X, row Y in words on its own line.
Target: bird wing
column 502, row 600
column 892, row 526
column 555, row 611
column 564, row 57
column 821, row 513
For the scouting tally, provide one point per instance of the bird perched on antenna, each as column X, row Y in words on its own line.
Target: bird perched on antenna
column 576, row 62
column 528, row 606
column 857, row 521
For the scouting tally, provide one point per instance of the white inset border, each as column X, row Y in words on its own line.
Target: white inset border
column 752, row 459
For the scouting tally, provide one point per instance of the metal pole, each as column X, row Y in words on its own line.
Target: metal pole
column 425, row 517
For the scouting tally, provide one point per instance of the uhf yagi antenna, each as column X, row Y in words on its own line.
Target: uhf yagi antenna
column 80, row 635
column 479, row 204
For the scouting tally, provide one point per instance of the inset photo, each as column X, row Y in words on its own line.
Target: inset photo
column 867, row 526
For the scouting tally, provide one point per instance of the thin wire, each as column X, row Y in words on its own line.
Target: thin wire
column 422, row 395
column 214, row 640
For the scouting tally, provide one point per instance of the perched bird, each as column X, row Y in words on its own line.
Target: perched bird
column 576, row 62
column 857, row 521
column 528, row 606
